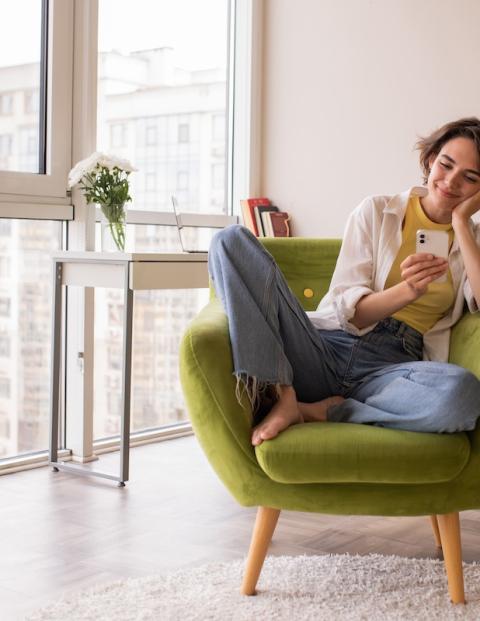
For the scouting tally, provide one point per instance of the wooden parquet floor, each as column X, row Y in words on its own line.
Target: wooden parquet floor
column 61, row 533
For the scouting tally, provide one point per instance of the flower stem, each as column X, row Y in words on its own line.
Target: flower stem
column 117, row 230
column 115, row 215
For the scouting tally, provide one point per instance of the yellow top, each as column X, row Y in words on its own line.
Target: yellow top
column 424, row 313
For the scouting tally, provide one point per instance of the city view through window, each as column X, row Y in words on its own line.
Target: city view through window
column 162, row 104
column 20, row 88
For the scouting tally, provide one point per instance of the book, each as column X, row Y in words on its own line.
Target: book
column 259, row 210
column 279, row 221
column 248, row 205
column 267, row 224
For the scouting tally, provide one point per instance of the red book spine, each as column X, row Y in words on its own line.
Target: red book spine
column 280, row 226
column 248, row 212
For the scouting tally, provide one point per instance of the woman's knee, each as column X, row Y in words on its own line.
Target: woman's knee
column 238, row 245
column 465, row 386
column 232, row 237
column 463, row 402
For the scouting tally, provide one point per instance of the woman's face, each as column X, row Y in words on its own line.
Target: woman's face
column 454, row 176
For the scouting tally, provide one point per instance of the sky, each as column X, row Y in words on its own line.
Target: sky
column 194, row 28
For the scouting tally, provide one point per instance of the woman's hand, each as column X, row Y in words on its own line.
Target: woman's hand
column 419, row 270
column 465, row 210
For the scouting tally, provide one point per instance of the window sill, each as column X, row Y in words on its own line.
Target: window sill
column 40, row 459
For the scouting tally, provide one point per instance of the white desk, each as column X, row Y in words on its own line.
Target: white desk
column 132, row 272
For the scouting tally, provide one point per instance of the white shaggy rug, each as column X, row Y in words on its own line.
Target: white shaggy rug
column 333, row 588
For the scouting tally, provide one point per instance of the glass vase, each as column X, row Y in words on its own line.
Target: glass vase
column 113, row 228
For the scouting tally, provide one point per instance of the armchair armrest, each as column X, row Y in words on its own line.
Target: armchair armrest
column 221, row 424
column 464, row 351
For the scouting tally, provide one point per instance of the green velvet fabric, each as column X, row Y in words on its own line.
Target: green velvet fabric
column 368, row 470
column 346, row 453
column 306, row 264
column 465, row 343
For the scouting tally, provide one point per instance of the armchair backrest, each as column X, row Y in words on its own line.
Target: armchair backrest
column 307, row 264
column 465, row 343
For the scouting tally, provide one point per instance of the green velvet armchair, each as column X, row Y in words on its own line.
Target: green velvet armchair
column 332, row 468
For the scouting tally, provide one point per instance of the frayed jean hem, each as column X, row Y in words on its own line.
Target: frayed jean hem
column 253, row 388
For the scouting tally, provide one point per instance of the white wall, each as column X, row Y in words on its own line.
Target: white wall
column 348, row 85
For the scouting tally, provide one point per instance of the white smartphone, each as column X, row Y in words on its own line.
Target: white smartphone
column 433, row 242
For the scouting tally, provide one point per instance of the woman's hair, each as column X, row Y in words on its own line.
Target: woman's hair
column 432, row 145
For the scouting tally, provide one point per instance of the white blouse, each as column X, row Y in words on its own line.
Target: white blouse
column 373, row 236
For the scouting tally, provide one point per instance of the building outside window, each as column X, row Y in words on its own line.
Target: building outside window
column 4, row 388
column 25, row 315
column 4, row 345
column 6, row 141
column 5, row 266
column 5, row 304
column 218, row 128
column 218, row 176
column 150, row 182
column 31, row 144
column 118, row 133
column 182, row 180
column 161, row 79
column 183, row 132
column 31, row 101
column 5, row 228
column 6, row 104
column 156, row 84
column 25, row 241
column 151, row 135
column 21, row 79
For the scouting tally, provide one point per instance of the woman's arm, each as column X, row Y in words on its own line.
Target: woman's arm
column 417, row 271
column 467, row 242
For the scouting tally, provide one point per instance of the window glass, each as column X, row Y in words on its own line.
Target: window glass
column 25, row 329
column 162, row 104
column 21, row 87
column 159, row 320
column 162, row 97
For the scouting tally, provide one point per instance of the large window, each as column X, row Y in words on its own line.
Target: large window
column 25, row 330
column 35, row 100
column 162, row 98
column 22, row 87
column 162, row 103
column 160, row 319
column 35, row 145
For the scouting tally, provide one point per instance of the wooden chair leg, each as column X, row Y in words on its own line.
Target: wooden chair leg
column 449, row 527
column 436, row 532
column 265, row 523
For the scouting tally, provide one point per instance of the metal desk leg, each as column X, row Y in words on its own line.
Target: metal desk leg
column 126, row 377
column 55, row 362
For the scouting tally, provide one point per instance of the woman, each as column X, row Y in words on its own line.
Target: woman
column 375, row 350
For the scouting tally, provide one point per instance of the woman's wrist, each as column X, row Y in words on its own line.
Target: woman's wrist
column 460, row 223
column 408, row 293
column 381, row 304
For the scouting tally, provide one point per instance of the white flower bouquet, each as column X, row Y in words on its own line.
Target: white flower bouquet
column 103, row 179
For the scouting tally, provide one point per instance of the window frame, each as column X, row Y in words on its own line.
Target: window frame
column 76, row 107
column 22, row 190
column 244, row 174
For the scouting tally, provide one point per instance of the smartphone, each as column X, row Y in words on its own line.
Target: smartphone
column 433, row 242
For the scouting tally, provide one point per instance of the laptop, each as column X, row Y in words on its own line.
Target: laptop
column 184, row 246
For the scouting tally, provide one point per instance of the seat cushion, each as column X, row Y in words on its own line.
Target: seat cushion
column 349, row 453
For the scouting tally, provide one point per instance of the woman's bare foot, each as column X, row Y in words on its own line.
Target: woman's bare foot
column 284, row 413
column 317, row 412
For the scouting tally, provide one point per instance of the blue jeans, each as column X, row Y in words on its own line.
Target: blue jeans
column 381, row 374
